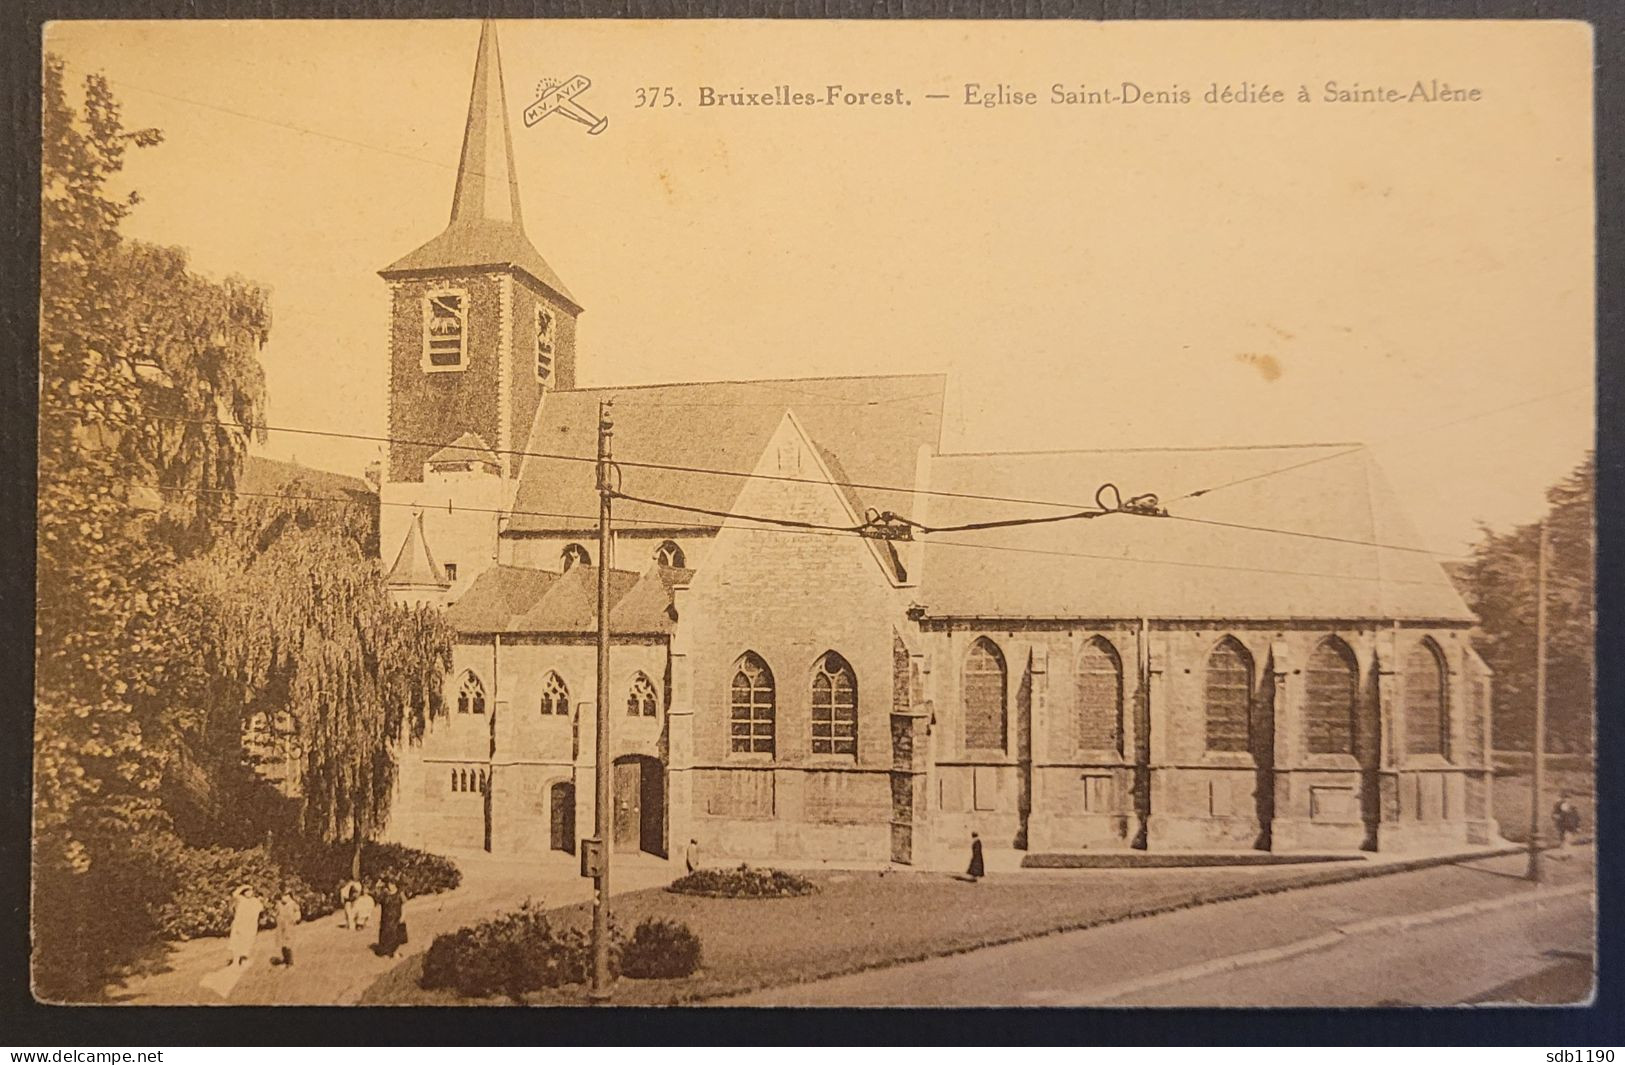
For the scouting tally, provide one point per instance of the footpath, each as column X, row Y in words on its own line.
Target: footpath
column 334, row 964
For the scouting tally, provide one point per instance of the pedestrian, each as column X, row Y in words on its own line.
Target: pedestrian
column 1566, row 818
column 977, row 870
column 245, row 923
column 391, row 922
column 691, row 855
column 349, row 894
column 363, row 908
column 288, row 914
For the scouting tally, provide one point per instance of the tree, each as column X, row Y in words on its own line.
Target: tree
column 125, row 333
column 1501, row 581
column 305, row 625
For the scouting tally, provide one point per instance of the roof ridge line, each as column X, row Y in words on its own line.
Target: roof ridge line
column 751, row 381
column 1169, row 447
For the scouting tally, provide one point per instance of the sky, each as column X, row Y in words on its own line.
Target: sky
column 1415, row 276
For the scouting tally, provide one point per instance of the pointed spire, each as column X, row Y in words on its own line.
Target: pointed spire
column 485, row 228
column 414, row 564
column 487, row 183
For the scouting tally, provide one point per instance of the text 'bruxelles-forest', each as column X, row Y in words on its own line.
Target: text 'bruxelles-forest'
column 1000, row 94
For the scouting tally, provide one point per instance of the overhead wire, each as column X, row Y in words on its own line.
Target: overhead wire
column 1135, row 505
column 1017, row 549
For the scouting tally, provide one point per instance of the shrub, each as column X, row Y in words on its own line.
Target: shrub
column 204, row 878
column 660, row 949
column 417, row 872
column 513, row 954
column 743, row 883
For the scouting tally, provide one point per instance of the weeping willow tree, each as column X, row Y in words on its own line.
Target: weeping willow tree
column 305, row 626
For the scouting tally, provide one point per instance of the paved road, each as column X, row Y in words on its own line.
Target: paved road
column 1452, row 962
column 1141, row 962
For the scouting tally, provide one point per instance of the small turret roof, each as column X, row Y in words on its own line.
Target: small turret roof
column 470, row 447
column 414, row 564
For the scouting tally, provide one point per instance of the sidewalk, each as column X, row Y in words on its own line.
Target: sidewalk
column 1094, row 964
column 333, row 964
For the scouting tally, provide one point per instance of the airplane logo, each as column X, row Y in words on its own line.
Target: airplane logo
column 560, row 98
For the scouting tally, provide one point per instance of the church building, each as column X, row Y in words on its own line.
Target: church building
column 1275, row 664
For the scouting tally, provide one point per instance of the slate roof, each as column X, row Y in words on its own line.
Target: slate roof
column 487, row 228
column 874, row 426
column 517, row 599
column 262, row 474
column 1123, row 566
column 415, row 566
column 470, row 447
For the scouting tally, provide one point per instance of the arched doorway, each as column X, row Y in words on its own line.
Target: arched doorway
column 640, row 804
column 562, row 805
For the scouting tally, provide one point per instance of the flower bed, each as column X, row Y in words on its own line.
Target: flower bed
column 743, row 883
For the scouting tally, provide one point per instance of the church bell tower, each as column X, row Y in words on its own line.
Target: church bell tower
column 480, row 323
column 480, row 328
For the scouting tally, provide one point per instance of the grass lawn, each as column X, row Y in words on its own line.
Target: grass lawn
column 861, row 920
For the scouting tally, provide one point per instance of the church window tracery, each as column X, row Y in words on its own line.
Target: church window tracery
column 752, row 706
column 1331, row 686
column 1426, row 721
column 1100, row 697
column 471, row 694
column 575, row 555
column 1229, row 697
column 834, row 707
column 555, row 695
column 670, row 556
column 642, row 701
column 985, row 697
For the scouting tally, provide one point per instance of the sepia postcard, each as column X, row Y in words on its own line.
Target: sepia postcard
column 815, row 513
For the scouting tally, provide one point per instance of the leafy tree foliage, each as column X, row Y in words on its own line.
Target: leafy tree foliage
column 1501, row 589
column 305, row 625
column 113, row 679
column 166, row 614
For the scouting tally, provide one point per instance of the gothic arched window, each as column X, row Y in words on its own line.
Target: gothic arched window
column 575, row 555
column 984, row 697
column 642, row 701
column 1100, row 697
column 670, row 556
column 1427, row 721
column 471, row 694
column 1229, row 697
column 834, row 707
column 1330, row 694
column 555, row 695
column 751, row 702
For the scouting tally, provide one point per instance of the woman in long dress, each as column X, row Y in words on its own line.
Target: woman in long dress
column 391, row 924
column 976, row 869
column 245, row 923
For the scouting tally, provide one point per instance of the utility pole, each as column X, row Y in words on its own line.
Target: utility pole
column 600, row 846
column 1538, row 744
